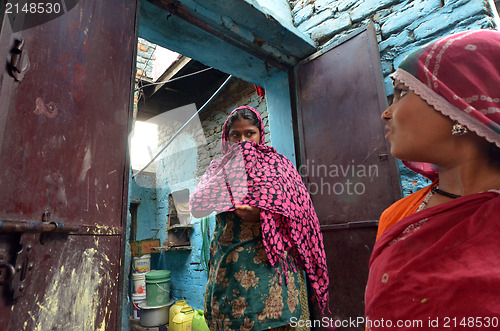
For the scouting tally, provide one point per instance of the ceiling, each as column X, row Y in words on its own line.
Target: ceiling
column 185, row 82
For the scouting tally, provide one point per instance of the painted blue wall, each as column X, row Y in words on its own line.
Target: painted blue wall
column 280, row 114
column 177, row 171
column 143, row 191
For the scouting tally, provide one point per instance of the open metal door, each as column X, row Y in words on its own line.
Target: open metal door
column 345, row 163
column 65, row 95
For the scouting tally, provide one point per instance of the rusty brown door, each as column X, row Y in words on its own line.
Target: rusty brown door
column 344, row 161
column 65, row 95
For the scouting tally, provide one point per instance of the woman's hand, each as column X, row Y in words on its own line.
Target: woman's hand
column 248, row 213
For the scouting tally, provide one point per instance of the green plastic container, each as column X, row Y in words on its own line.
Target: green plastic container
column 157, row 288
column 199, row 323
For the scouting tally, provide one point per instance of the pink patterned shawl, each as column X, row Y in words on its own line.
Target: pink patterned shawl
column 256, row 175
column 459, row 75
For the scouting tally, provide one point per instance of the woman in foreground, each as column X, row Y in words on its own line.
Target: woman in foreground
column 436, row 262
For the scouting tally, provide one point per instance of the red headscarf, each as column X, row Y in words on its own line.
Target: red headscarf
column 256, row 175
column 459, row 75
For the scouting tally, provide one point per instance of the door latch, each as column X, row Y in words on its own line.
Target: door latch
column 17, row 272
column 24, row 264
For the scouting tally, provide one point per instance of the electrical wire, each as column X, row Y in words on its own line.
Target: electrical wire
column 184, row 126
column 174, row 79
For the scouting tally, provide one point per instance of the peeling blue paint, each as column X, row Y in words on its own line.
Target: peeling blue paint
column 304, row 14
column 369, row 7
column 142, row 190
column 408, row 14
column 331, row 27
column 441, row 21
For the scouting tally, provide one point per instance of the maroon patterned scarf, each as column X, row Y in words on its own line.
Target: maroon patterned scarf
column 256, row 175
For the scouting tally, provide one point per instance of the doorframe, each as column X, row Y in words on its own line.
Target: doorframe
column 228, row 49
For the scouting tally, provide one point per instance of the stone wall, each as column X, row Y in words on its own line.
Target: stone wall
column 401, row 26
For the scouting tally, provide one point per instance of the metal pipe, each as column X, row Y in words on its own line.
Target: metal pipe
column 36, row 227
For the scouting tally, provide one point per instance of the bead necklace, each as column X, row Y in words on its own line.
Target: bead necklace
column 446, row 194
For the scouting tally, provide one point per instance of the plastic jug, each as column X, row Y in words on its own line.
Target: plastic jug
column 199, row 323
column 183, row 321
column 174, row 310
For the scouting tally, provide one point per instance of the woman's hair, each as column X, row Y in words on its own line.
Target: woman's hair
column 494, row 154
column 242, row 114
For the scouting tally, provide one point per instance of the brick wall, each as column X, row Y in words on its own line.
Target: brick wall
column 237, row 93
column 145, row 60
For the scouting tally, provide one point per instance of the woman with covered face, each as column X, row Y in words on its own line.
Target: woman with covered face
column 266, row 236
column 437, row 255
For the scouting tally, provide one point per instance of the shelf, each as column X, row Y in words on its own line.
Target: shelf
column 180, row 227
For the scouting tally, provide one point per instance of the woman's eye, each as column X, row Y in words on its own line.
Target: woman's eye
column 249, row 134
column 399, row 93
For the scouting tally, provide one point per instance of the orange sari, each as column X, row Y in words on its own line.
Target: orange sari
column 401, row 209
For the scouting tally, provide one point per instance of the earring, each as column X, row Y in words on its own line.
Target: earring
column 459, row 129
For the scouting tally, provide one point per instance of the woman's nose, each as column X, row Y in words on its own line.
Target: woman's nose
column 386, row 115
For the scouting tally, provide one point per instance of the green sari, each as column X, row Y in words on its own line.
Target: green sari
column 244, row 291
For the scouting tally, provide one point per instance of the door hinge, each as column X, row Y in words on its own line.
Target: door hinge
column 19, row 62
